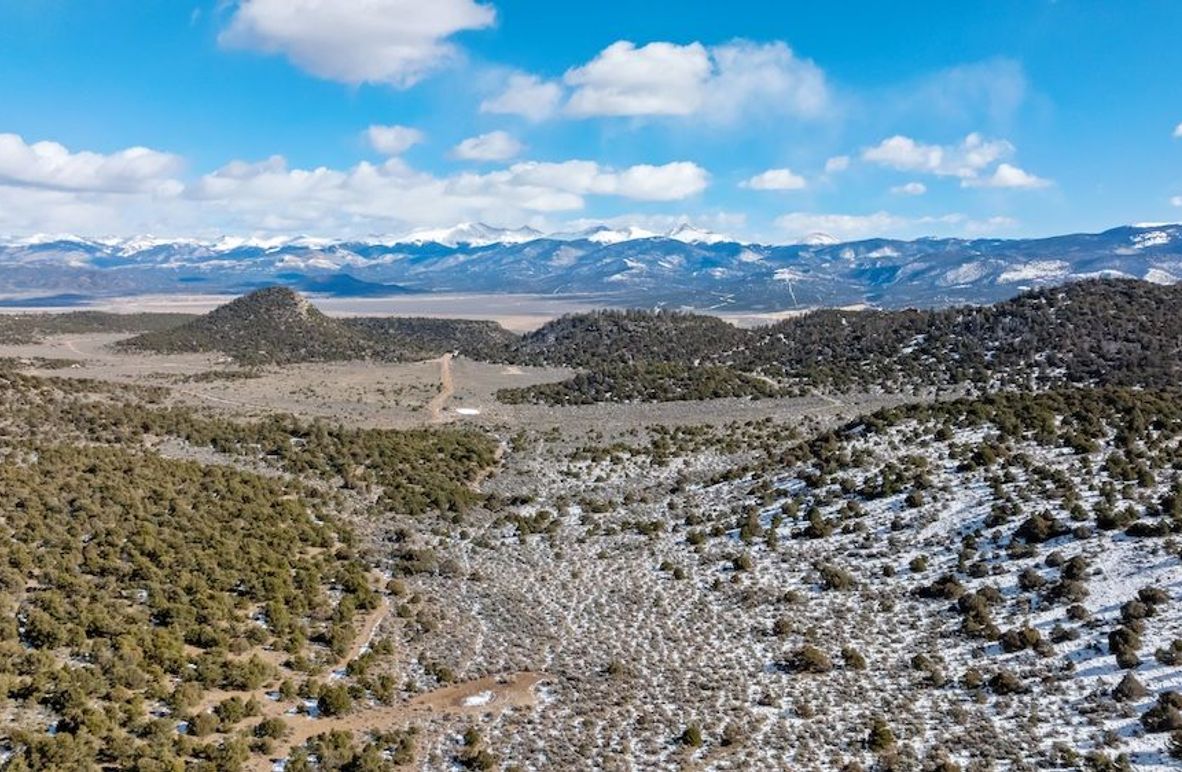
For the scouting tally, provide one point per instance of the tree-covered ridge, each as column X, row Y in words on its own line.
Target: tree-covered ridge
column 1097, row 332
column 600, row 338
column 402, row 338
column 277, row 325
column 1119, row 332
column 647, row 382
column 30, row 328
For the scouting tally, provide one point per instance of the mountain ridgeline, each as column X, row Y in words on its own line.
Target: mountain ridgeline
column 685, row 268
column 1100, row 331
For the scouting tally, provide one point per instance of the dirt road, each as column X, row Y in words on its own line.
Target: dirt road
column 446, row 389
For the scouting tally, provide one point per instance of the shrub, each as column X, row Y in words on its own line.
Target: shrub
column 1020, row 638
column 880, row 738
column 1129, row 689
column 1030, row 579
column 1004, row 682
column 1164, row 715
column 834, row 578
column 853, row 658
column 810, row 659
column 1124, row 642
column 1039, row 528
column 335, row 700
column 692, row 736
column 947, row 587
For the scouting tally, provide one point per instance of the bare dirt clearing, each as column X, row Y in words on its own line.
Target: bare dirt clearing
column 373, row 394
column 403, row 395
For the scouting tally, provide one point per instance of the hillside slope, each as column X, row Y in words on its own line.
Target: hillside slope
column 628, row 337
column 408, row 337
column 273, row 325
column 277, row 325
column 1100, row 331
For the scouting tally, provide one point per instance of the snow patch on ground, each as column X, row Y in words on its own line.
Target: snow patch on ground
column 1036, row 270
column 1151, row 239
column 964, row 274
column 1160, row 276
column 477, row 700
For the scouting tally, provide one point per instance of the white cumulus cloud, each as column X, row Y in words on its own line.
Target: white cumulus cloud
column 394, row 42
column 493, row 146
column 1008, row 176
column 46, row 188
column 719, row 82
column 965, row 160
column 1178, row 131
column 852, row 227
column 910, row 189
column 526, row 95
column 393, row 140
column 52, row 166
column 371, row 195
column 644, row 182
column 670, row 182
column 389, row 196
column 775, row 179
column 656, row 79
column 838, row 163
column 1176, row 201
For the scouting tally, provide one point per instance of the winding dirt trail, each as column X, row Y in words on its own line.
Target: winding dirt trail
column 361, row 643
column 367, row 632
column 220, row 400
column 492, row 694
column 446, row 389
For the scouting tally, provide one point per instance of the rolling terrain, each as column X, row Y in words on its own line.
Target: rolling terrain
column 932, row 539
column 1094, row 332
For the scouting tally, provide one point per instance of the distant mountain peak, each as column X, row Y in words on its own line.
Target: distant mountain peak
column 820, row 239
column 471, row 234
column 691, row 234
column 686, row 233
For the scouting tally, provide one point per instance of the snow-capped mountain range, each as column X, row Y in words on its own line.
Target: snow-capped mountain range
column 686, row 266
column 466, row 234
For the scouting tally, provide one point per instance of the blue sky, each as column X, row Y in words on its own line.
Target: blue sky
column 758, row 119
